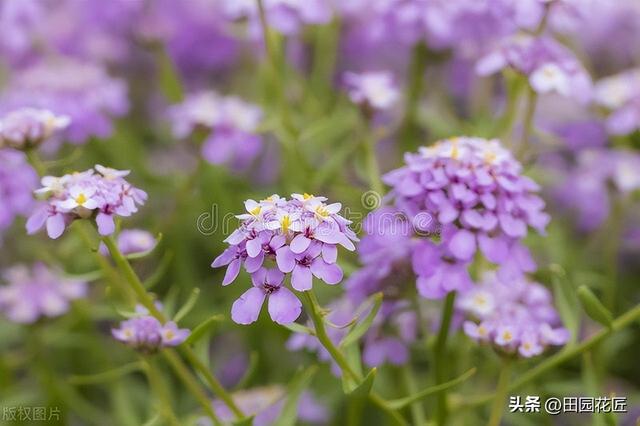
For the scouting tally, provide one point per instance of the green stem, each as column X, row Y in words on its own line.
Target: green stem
column 190, row 382
column 143, row 297
column 36, row 163
column 440, row 358
column 413, row 93
column 527, row 126
column 502, row 390
column 159, row 387
column 373, row 170
column 571, row 352
column 417, row 411
column 611, row 246
column 315, row 312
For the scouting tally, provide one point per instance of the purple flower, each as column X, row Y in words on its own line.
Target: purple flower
column 147, row 334
column 373, row 90
column 17, row 182
column 284, row 306
column 133, row 241
column 28, row 127
column 621, row 95
column 515, row 315
column 549, row 66
column 82, row 91
column 232, row 125
column 474, row 195
column 100, row 194
column 299, row 236
column 37, row 292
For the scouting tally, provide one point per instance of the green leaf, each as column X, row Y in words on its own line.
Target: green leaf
column 247, row 421
column 364, row 388
column 250, row 372
column 203, row 328
column 299, row 328
column 403, row 402
column 593, row 307
column 106, row 376
column 565, row 298
column 361, row 327
column 298, row 384
column 162, row 269
column 189, row 304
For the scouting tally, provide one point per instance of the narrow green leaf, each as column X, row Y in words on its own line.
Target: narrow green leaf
column 593, row 307
column 298, row 384
column 250, row 372
column 106, row 376
column 162, row 268
column 189, row 304
column 403, row 402
column 364, row 388
column 299, row 328
column 361, row 327
column 203, row 328
column 247, row 421
column 565, row 298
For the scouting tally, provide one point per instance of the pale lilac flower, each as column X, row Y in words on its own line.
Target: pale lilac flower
column 266, row 404
column 17, row 182
column 373, row 90
column 620, row 94
column 145, row 333
column 474, row 195
column 549, row 66
column 300, row 236
column 82, row 91
column 26, row 128
column 513, row 316
column 232, row 125
column 133, row 241
column 100, row 196
column 37, row 292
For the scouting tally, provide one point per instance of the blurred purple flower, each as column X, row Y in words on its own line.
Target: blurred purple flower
column 133, row 241
column 82, row 195
column 26, row 128
column 37, row 292
column 17, row 182
column 147, row 334
column 512, row 316
column 374, row 90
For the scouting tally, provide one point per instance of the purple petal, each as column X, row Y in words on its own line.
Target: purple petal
column 225, row 258
column 254, row 247
column 246, row 309
column 277, row 241
column 511, row 226
column 284, row 306
column 36, row 221
column 299, row 244
column 55, row 225
column 106, row 224
column 252, row 264
column 463, row 244
column 232, row 272
column 329, row 273
column 329, row 253
column 495, row 249
column 301, row 278
column 285, row 259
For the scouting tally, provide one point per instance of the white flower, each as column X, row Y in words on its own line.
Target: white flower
column 80, row 197
column 549, row 78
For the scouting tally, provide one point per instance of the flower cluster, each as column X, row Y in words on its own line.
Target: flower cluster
column 374, row 90
column 299, row 236
column 132, row 241
column 471, row 191
column 99, row 194
column 549, row 66
column 621, row 95
column 26, row 128
column 145, row 333
column 17, row 182
column 514, row 316
column 232, row 125
column 82, row 91
column 37, row 292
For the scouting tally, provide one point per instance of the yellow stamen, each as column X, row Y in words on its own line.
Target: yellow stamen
column 307, row 196
column 507, row 336
column 285, row 222
column 81, row 199
column 255, row 211
column 322, row 211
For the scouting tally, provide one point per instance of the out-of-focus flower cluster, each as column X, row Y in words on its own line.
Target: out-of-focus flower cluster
column 17, row 181
column 300, row 237
column 147, row 334
column 230, row 122
column 27, row 128
column 512, row 316
column 37, row 292
column 99, row 194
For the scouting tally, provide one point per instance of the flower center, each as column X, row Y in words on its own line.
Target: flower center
column 81, row 199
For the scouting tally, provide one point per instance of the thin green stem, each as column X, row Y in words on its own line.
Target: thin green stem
column 527, row 126
column 159, row 387
column 417, row 410
column 413, row 93
column 611, row 247
column 191, row 383
column 36, row 163
column 143, row 297
column 315, row 312
column 440, row 356
column 571, row 352
column 373, row 170
column 502, row 390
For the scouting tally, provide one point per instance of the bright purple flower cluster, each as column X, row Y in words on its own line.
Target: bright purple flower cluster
column 621, row 95
column 514, row 316
column 375, row 90
column 17, row 182
column 145, row 333
column 82, row 91
column 298, row 236
column 28, row 127
column 549, row 66
column 37, row 292
column 472, row 192
column 100, row 194
column 232, row 125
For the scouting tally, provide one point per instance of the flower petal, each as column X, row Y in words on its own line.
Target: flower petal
column 301, row 278
column 285, row 259
column 284, row 306
column 246, row 309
